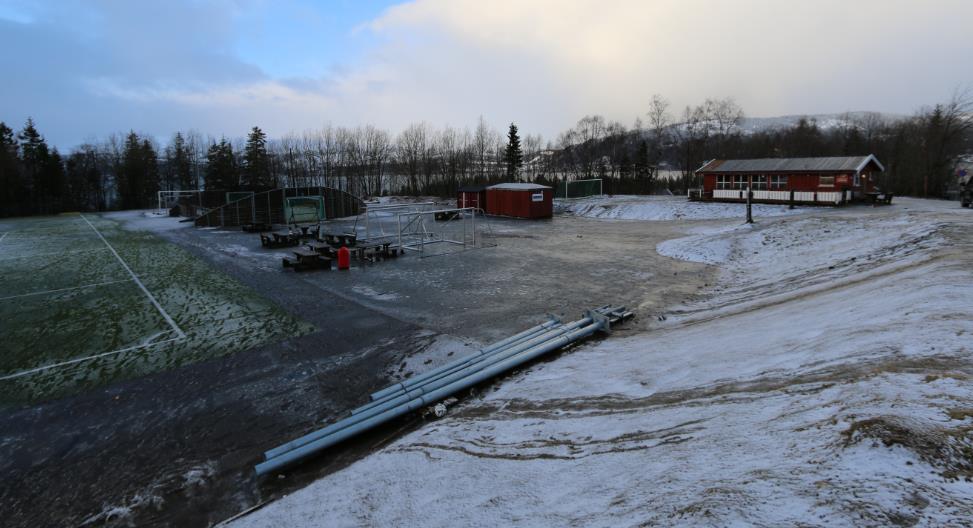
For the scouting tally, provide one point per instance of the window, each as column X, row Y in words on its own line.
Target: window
column 723, row 182
column 778, row 182
column 739, row 182
column 857, row 179
column 760, row 183
column 826, row 181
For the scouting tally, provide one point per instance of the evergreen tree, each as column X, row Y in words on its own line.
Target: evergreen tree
column 181, row 166
column 11, row 184
column 643, row 169
column 150, row 174
column 221, row 172
column 53, row 182
column 138, row 177
column 256, row 161
column 34, row 155
column 513, row 156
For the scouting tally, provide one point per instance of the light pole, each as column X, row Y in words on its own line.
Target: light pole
column 749, row 198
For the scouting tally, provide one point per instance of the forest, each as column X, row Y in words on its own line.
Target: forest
column 659, row 152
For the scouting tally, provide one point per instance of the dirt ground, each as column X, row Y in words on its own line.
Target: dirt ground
column 177, row 448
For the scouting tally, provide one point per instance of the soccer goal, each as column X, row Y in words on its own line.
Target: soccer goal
column 579, row 188
column 304, row 209
column 168, row 199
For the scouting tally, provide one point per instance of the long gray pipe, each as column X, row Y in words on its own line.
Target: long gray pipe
column 413, row 404
column 451, row 367
column 429, row 377
column 416, row 391
column 499, row 345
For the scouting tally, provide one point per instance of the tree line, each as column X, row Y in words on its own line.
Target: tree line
column 661, row 150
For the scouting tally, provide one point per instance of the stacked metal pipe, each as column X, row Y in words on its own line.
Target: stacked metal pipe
column 435, row 385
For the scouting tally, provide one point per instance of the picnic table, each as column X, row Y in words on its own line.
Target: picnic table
column 307, row 259
column 339, row 239
column 374, row 251
column 322, row 248
column 279, row 239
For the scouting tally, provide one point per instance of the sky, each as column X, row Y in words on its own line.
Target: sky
column 84, row 69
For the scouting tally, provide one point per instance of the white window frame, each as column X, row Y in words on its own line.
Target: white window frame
column 778, row 182
column 821, row 181
column 759, row 182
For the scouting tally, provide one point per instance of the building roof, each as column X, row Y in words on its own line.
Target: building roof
column 519, row 186
column 830, row 164
column 472, row 188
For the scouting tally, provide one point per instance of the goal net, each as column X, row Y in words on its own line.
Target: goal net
column 579, row 188
column 304, row 209
column 169, row 199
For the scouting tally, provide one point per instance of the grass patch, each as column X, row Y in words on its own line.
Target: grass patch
column 219, row 315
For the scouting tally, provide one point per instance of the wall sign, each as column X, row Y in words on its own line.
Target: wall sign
column 537, row 197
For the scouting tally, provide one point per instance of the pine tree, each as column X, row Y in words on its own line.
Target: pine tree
column 150, row 174
column 53, row 182
column 33, row 157
column 129, row 178
column 256, row 161
column 513, row 156
column 180, row 163
column 138, row 176
column 221, row 167
column 11, row 184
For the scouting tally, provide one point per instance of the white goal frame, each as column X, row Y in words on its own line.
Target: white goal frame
column 177, row 194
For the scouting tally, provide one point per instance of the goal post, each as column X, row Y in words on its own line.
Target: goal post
column 580, row 188
column 304, row 209
column 166, row 199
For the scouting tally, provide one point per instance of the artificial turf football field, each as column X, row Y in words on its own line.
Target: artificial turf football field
column 85, row 302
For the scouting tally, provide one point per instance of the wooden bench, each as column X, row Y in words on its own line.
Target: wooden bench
column 305, row 259
column 257, row 228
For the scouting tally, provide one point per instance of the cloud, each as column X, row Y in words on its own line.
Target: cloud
column 95, row 67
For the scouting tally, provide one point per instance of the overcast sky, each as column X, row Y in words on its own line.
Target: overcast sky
column 84, row 69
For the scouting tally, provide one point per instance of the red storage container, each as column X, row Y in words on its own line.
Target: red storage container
column 520, row 200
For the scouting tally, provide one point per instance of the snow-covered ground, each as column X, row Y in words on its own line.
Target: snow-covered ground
column 664, row 208
column 825, row 380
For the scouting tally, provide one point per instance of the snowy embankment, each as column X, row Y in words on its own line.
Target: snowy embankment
column 826, row 381
column 663, row 208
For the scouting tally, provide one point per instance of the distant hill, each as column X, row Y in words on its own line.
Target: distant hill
column 749, row 125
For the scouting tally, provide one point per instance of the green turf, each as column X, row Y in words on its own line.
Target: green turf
column 39, row 327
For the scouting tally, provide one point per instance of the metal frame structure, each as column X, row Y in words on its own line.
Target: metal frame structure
column 601, row 186
column 177, row 194
column 378, row 208
column 417, row 236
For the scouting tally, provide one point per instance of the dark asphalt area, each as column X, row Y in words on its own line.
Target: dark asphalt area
column 177, row 448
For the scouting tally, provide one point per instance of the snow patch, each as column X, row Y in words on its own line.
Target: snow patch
column 659, row 208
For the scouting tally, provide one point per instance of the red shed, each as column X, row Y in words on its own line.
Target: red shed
column 472, row 196
column 520, row 200
column 830, row 180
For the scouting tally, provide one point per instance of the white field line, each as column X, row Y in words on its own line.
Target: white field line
column 88, row 358
column 64, row 289
column 52, row 254
column 135, row 277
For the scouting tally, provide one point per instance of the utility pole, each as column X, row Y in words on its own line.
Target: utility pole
column 749, row 198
